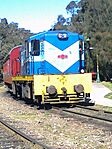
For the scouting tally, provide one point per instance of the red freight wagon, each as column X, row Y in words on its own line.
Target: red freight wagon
column 11, row 66
column 15, row 61
column 6, row 71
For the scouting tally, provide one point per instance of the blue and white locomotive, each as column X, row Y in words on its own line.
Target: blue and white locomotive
column 52, row 67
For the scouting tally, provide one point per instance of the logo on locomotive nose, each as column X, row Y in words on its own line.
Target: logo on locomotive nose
column 62, row 56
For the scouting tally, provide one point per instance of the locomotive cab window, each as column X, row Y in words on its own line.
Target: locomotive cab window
column 35, row 46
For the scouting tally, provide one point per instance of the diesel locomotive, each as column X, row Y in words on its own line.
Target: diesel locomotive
column 49, row 69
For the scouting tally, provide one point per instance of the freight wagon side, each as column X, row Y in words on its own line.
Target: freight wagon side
column 11, row 66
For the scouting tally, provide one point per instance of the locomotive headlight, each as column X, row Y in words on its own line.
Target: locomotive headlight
column 78, row 88
column 82, row 70
column 63, row 36
column 51, row 90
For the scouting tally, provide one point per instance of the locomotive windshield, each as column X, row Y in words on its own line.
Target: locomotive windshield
column 35, row 46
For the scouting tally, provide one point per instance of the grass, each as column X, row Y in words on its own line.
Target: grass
column 101, row 107
column 108, row 85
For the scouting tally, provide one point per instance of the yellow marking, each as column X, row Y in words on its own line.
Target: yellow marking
column 62, row 79
column 22, row 78
column 59, row 102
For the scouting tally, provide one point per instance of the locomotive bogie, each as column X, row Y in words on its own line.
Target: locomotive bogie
column 23, row 89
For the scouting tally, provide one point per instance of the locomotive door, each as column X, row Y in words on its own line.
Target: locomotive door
column 30, row 53
column 37, row 57
column 27, row 63
column 15, row 66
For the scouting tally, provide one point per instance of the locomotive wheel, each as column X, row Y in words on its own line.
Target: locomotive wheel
column 47, row 106
column 37, row 100
column 20, row 92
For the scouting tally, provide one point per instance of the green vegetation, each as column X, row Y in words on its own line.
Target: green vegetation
column 109, row 95
column 106, row 108
column 10, row 36
column 109, row 85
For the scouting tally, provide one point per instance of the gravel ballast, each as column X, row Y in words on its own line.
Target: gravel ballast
column 52, row 129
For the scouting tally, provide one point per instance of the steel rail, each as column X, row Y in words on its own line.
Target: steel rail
column 93, row 109
column 82, row 114
column 24, row 135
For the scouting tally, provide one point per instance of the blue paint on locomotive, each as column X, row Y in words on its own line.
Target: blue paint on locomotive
column 50, row 69
column 42, row 65
column 62, row 45
column 47, row 68
column 51, row 37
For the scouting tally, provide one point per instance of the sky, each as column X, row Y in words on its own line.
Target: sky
column 33, row 15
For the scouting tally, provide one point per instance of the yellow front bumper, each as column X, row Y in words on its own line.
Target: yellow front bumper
column 41, row 82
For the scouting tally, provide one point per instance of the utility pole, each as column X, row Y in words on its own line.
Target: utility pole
column 89, row 49
column 88, row 44
column 98, row 76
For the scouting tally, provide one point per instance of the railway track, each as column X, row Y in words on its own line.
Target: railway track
column 93, row 109
column 19, row 109
column 34, row 143
column 9, row 139
column 96, row 114
column 85, row 111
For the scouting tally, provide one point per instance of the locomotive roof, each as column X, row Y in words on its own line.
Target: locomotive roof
column 42, row 35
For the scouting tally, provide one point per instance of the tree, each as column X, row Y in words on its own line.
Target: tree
column 10, row 36
column 94, row 18
column 70, row 8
